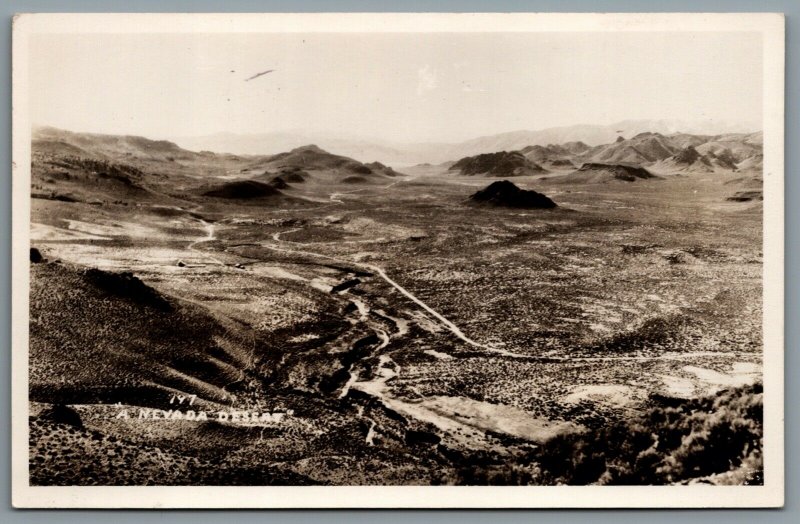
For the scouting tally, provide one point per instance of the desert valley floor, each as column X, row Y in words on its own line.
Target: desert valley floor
column 392, row 329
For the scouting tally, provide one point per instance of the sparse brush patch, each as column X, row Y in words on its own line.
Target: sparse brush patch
column 124, row 173
column 656, row 330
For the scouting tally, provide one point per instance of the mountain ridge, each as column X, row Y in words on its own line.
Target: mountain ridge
column 407, row 154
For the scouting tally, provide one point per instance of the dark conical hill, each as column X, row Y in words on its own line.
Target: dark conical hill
column 506, row 194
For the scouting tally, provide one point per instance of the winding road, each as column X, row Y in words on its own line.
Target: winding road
column 455, row 330
column 210, row 237
column 450, row 326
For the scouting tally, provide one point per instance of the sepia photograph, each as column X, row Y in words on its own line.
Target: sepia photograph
column 383, row 260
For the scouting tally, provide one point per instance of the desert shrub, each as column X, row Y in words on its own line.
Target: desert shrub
column 668, row 444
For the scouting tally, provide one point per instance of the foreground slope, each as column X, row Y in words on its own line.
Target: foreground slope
column 98, row 336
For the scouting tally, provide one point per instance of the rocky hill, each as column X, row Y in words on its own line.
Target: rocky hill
column 312, row 160
column 500, row 164
column 555, row 156
column 641, row 149
column 593, row 173
column 688, row 160
column 506, row 194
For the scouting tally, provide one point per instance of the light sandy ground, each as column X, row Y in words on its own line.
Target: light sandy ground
column 124, row 229
column 77, row 229
column 438, row 354
column 275, row 272
column 679, row 387
column 44, row 232
column 495, row 417
column 372, row 228
column 609, row 394
column 461, row 419
column 741, row 373
column 305, row 337
column 703, row 381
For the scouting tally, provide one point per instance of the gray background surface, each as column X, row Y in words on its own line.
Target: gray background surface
column 791, row 513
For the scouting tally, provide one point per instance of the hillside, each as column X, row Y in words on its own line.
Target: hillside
column 83, row 177
column 106, row 169
column 130, row 170
column 713, row 440
column 754, row 163
column 265, row 144
column 149, row 345
column 640, row 143
column 115, row 147
column 740, row 147
column 651, row 139
column 244, row 190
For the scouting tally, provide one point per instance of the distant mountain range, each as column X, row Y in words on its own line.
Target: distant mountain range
column 91, row 167
column 625, row 158
column 399, row 155
column 674, row 152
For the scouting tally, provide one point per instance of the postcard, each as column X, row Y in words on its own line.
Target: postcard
column 397, row 260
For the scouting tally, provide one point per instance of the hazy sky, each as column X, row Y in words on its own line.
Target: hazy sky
column 398, row 87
